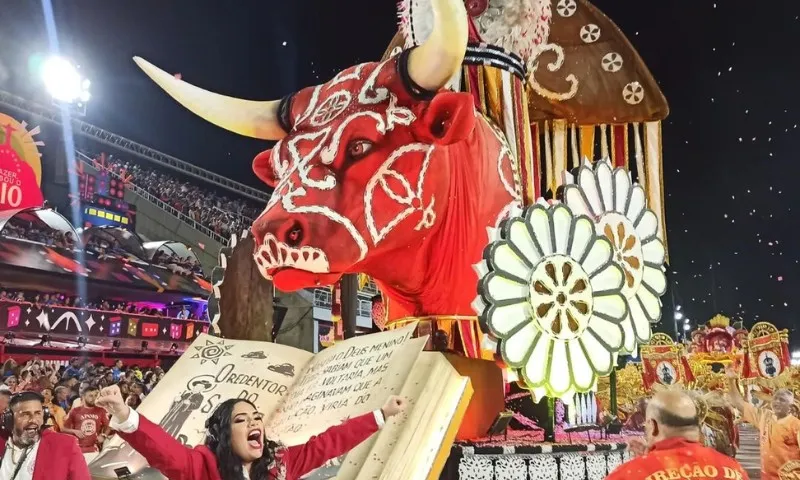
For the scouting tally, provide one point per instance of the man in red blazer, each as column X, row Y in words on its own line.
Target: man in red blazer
column 32, row 454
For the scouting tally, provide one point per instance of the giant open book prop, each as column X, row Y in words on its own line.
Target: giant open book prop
column 304, row 394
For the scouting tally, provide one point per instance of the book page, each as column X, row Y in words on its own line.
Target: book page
column 347, row 380
column 407, row 447
column 211, row 371
column 433, row 438
column 381, row 449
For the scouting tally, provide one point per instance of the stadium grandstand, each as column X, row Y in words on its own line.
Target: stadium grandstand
column 142, row 230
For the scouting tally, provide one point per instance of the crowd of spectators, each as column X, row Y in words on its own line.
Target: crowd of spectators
column 70, row 390
column 219, row 213
column 61, row 300
column 25, row 230
column 103, row 247
column 185, row 266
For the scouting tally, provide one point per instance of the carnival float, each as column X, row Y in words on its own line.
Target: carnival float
column 759, row 355
column 498, row 175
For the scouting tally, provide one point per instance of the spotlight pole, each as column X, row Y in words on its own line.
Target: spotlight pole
column 674, row 316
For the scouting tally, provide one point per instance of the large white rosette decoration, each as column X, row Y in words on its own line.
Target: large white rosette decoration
column 619, row 210
column 551, row 292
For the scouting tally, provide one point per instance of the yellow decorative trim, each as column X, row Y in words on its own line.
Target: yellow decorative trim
column 482, row 89
column 762, row 329
column 660, row 339
column 630, row 389
column 719, row 321
column 587, row 142
column 531, row 180
column 435, row 318
column 716, row 357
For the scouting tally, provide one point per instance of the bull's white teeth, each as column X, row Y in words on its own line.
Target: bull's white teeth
column 223, row 261
column 234, row 241
column 281, row 255
column 275, row 251
column 265, row 247
column 568, row 178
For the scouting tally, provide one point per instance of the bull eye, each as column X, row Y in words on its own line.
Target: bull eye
column 358, row 149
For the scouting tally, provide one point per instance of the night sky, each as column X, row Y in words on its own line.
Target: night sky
column 727, row 68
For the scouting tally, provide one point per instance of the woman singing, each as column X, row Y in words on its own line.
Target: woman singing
column 236, row 445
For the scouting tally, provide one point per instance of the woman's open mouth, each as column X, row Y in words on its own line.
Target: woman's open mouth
column 254, row 439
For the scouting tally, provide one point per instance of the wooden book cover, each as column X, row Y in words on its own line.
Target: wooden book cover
column 302, row 394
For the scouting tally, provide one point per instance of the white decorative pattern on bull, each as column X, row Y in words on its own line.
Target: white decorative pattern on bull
column 377, row 168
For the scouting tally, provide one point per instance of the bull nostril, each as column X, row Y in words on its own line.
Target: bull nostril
column 294, row 234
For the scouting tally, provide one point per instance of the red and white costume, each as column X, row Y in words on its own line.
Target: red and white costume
column 178, row 462
column 55, row 456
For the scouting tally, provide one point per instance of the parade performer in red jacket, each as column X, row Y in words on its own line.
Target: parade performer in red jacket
column 236, row 445
column 673, row 449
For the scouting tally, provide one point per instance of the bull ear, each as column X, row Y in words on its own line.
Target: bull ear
column 449, row 118
column 262, row 166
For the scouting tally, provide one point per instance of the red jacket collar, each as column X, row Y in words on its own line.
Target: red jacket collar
column 46, row 434
column 672, row 444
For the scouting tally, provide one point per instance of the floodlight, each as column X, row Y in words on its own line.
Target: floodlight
column 63, row 81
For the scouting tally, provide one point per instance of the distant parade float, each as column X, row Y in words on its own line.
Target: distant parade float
column 760, row 356
column 498, row 175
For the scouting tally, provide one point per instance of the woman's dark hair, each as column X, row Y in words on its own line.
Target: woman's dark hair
column 218, row 440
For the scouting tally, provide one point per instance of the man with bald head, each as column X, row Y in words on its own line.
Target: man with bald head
column 673, row 450
column 779, row 429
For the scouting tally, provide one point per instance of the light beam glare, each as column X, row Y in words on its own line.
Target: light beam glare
column 69, row 146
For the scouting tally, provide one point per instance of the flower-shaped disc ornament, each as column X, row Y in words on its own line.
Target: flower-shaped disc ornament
column 619, row 210
column 552, row 293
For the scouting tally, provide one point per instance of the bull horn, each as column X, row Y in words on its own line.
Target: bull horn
column 245, row 117
column 433, row 64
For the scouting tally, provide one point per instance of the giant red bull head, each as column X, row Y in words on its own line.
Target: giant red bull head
column 376, row 171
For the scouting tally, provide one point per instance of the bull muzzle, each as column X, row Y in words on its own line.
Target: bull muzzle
column 282, row 244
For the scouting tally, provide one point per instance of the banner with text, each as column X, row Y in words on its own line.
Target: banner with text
column 20, row 166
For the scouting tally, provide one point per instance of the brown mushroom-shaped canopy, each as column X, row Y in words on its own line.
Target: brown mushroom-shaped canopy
column 612, row 83
column 601, row 79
